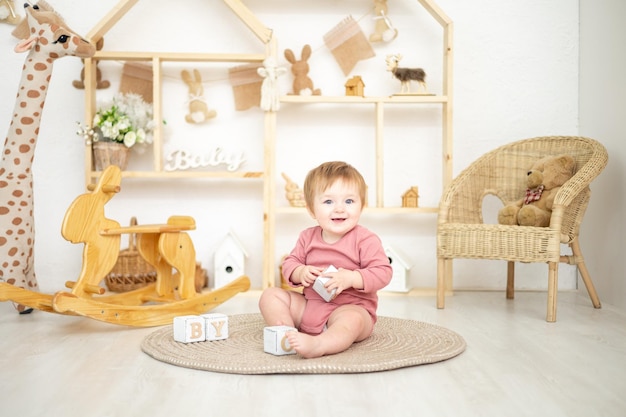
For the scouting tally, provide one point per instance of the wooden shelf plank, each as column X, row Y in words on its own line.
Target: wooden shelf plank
column 368, row 210
column 176, row 56
column 365, row 100
column 185, row 174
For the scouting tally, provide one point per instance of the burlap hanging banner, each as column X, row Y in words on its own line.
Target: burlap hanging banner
column 348, row 44
column 246, row 83
column 137, row 78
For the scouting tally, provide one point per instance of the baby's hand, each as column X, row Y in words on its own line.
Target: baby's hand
column 342, row 280
column 308, row 274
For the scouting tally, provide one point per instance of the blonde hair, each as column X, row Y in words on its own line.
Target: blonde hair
column 320, row 178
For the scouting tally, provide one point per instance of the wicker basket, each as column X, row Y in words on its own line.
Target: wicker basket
column 131, row 271
column 110, row 153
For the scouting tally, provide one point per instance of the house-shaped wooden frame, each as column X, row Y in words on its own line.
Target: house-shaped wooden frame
column 155, row 59
column 268, row 175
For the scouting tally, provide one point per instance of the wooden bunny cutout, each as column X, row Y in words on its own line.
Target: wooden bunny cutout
column 198, row 110
column 302, row 84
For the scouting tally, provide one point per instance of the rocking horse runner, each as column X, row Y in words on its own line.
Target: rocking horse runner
column 47, row 38
column 167, row 247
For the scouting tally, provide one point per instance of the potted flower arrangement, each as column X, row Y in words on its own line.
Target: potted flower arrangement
column 124, row 122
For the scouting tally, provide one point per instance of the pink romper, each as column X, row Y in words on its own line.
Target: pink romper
column 358, row 250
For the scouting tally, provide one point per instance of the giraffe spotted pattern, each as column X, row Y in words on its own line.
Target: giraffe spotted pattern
column 45, row 38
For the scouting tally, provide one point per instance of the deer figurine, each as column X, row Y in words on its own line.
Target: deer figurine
column 405, row 75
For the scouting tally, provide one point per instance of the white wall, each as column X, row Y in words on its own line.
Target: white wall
column 516, row 76
column 602, row 111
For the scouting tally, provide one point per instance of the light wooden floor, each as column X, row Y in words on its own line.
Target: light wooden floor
column 516, row 364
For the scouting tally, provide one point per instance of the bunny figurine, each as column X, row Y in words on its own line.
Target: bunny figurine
column 302, row 84
column 198, row 109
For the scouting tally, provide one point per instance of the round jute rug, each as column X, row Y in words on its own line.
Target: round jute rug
column 395, row 343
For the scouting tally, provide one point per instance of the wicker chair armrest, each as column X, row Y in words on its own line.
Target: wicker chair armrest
column 462, row 199
column 583, row 177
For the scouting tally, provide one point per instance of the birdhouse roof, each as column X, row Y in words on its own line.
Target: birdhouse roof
column 393, row 253
column 232, row 237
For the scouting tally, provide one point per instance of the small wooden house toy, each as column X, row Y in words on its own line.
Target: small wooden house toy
column 355, row 86
column 229, row 260
column 275, row 340
column 410, row 198
column 400, row 271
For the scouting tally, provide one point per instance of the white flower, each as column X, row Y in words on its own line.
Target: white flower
column 141, row 136
column 126, row 119
column 109, row 130
column 130, row 138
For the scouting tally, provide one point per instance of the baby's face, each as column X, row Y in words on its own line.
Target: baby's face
column 337, row 210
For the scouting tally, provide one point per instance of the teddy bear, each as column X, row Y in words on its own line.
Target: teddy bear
column 544, row 179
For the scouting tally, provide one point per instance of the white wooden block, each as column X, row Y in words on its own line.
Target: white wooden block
column 319, row 283
column 275, row 340
column 188, row 329
column 216, row 326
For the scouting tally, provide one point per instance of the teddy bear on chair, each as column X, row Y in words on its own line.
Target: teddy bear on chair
column 544, row 179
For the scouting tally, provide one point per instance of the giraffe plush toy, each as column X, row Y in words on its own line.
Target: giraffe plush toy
column 45, row 37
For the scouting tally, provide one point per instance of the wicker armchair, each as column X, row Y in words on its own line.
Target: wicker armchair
column 461, row 232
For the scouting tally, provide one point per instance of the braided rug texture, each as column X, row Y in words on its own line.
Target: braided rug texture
column 395, row 343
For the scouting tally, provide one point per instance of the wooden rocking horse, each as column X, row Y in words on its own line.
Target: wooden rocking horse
column 167, row 247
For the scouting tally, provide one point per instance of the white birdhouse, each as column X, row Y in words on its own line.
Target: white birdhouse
column 229, row 260
column 400, row 271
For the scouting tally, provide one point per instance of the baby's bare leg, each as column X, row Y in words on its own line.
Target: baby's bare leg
column 282, row 308
column 346, row 325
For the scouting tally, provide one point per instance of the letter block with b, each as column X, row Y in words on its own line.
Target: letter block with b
column 188, row 329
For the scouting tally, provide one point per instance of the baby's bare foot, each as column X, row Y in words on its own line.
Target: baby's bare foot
column 306, row 345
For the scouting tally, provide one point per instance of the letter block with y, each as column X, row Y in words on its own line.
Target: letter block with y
column 188, row 329
column 216, row 326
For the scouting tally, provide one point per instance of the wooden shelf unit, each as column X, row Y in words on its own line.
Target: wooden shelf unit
column 269, row 175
